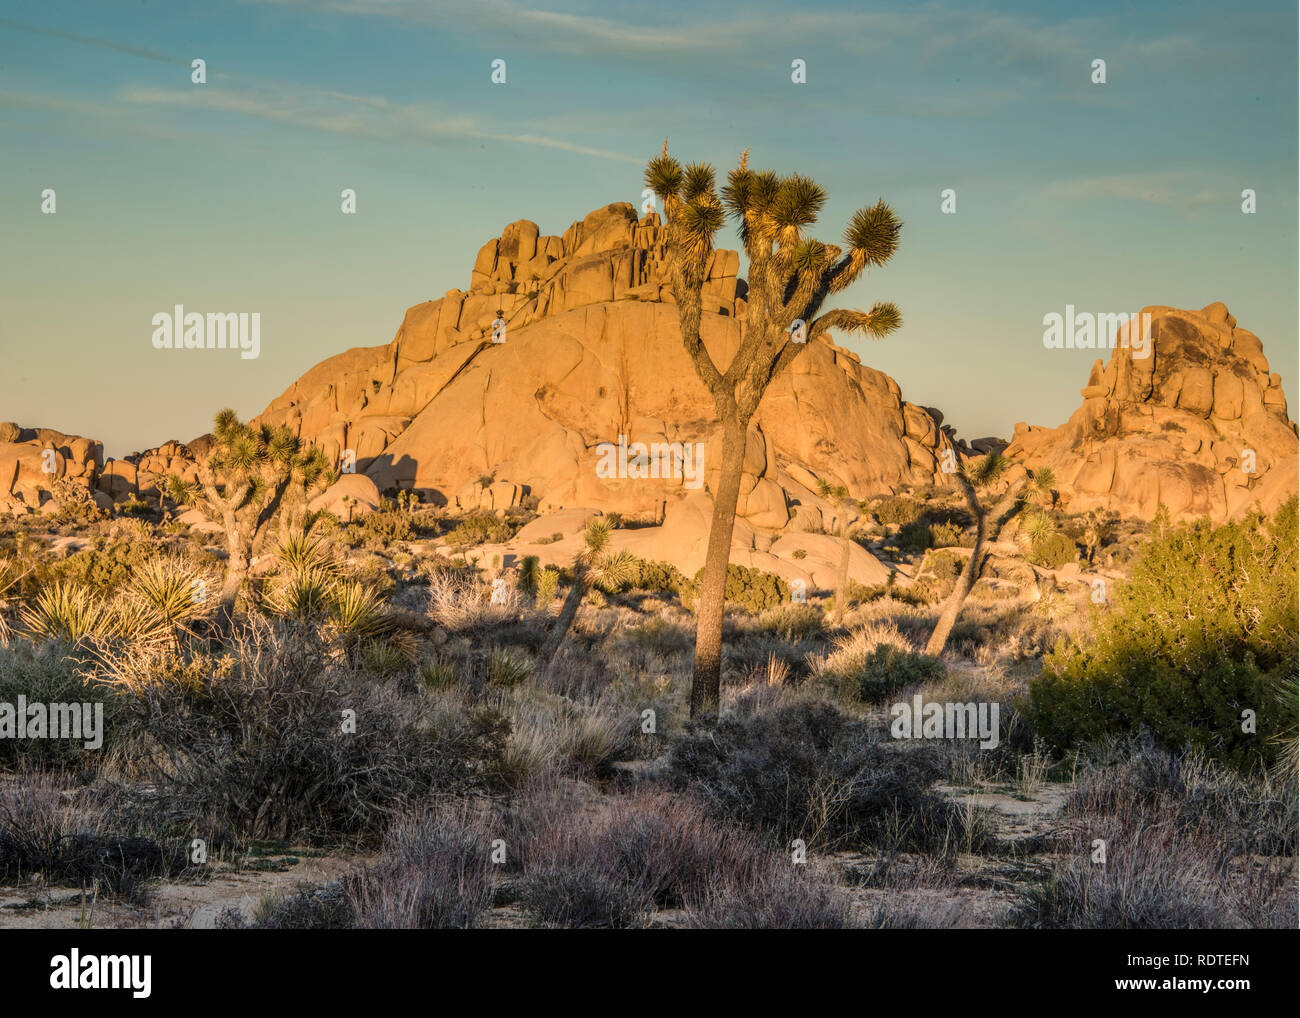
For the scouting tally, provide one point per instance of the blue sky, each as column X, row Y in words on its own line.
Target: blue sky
column 225, row 196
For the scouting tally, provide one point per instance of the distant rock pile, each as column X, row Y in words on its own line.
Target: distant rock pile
column 592, row 351
column 1200, row 426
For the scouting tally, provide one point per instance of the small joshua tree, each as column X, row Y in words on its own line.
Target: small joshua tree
column 252, row 475
column 595, row 566
column 791, row 275
column 981, row 474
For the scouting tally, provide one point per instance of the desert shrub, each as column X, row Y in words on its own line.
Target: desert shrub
column 1204, row 629
column 608, row 860
column 133, row 506
column 480, row 528
column 887, row 670
column 660, row 636
column 752, row 589
column 324, row 907
column 47, row 674
column 257, row 743
column 1053, row 551
column 914, row 536
column 388, row 523
column 1190, row 844
column 781, row 899
column 658, row 576
column 67, row 839
column 793, row 622
column 945, row 535
column 76, row 503
column 102, row 570
column 582, row 896
column 897, row 509
column 436, row 871
column 805, row 770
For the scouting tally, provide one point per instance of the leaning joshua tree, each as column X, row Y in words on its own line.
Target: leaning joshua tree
column 253, row 474
column 979, row 474
column 790, row 277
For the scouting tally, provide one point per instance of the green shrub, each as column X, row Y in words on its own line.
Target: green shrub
column 388, row 524
column 658, row 576
column 1053, row 551
column 897, row 509
column 752, row 589
column 945, row 535
column 480, row 528
column 793, row 622
column 1204, row 630
column 888, row 669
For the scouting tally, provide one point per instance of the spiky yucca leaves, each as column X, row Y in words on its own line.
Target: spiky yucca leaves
column 10, row 575
column 1037, row 527
column 166, row 595
column 358, row 612
column 302, row 594
column 70, row 611
column 302, row 552
column 791, row 274
column 252, row 475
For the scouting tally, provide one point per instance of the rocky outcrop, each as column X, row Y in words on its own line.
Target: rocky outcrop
column 1199, row 425
column 482, row 417
column 34, row 460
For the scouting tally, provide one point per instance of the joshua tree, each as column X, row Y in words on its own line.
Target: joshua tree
column 981, row 473
column 252, row 474
column 790, row 277
column 594, row 567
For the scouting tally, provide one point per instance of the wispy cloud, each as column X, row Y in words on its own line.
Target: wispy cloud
column 1183, row 189
column 92, row 40
column 358, row 116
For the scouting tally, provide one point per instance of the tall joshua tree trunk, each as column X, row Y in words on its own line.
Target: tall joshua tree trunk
column 706, row 687
column 986, row 519
column 790, row 277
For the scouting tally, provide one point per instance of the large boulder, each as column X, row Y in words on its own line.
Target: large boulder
column 593, row 358
column 1195, row 422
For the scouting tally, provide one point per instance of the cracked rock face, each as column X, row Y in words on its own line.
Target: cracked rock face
column 592, row 351
column 1200, row 425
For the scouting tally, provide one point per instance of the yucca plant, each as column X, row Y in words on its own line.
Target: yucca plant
column 10, row 576
column 301, row 552
column 70, row 611
column 358, row 612
column 302, row 594
column 791, row 275
column 1037, row 527
column 438, row 674
column 1042, row 486
column 382, row 658
column 529, row 574
column 166, row 594
column 506, row 668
